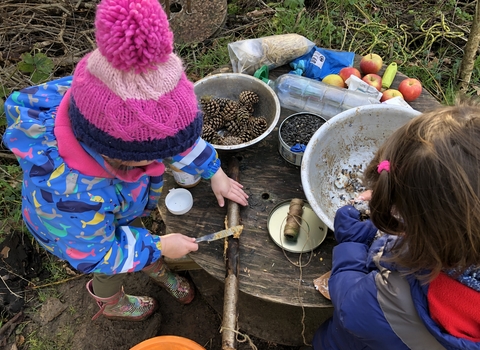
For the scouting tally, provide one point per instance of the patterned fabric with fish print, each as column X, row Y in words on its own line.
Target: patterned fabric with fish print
column 75, row 204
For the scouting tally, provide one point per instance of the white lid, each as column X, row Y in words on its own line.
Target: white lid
column 179, row 201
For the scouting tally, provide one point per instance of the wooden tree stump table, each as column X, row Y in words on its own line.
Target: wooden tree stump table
column 277, row 301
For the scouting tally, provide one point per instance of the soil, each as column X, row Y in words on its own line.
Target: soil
column 63, row 318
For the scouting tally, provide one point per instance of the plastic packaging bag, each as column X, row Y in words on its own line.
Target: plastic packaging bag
column 320, row 62
column 273, row 51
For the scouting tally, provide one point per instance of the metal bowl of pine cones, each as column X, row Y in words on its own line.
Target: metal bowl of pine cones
column 239, row 110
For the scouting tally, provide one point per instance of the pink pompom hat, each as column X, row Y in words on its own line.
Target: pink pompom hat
column 130, row 98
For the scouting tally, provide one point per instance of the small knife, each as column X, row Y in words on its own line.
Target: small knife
column 221, row 234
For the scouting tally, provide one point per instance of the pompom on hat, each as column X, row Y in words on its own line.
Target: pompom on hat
column 130, row 98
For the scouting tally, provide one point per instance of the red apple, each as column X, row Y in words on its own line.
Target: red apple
column 334, row 79
column 347, row 71
column 410, row 88
column 371, row 63
column 390, row 93
column 373, row 79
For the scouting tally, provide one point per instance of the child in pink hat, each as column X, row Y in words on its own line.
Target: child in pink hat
column 92, row 148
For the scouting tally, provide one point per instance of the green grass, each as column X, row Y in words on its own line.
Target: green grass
column 427, row 46
column 61, row 341
column 10, row 201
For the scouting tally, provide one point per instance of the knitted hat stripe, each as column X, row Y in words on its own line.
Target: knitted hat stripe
column 116, row 148
column 134, row 119
column 149, row 85
column 131, row 99
column 133, row 34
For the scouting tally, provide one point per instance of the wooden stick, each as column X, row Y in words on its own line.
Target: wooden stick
column 230, row 296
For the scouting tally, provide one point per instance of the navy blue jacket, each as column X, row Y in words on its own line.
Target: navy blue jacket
column 359, row 320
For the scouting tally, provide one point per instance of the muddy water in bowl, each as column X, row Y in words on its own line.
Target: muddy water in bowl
column 339, row 152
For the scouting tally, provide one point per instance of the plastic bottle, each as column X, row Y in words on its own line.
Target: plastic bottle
column 303, row 94
column 184, row 179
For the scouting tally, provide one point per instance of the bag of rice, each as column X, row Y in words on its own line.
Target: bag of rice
column 273, row 51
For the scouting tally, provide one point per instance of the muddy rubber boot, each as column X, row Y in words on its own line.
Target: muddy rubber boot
column 179, row 287
column 122, row 306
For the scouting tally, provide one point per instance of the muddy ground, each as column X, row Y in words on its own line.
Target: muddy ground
column 60, row 315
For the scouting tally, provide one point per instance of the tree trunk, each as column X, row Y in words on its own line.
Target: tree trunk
column 470, row 53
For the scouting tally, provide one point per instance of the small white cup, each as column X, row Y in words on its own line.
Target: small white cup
column 179, row 201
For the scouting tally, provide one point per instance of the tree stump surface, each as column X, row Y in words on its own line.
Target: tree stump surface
column 265, row 271
column 193, row 21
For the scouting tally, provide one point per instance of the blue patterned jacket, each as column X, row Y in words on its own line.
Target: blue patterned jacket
column 74, row 205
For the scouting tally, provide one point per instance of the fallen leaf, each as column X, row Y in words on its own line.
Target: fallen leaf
column 4, row 252
column 321, row 284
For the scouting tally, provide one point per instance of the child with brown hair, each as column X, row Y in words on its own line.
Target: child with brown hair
column 417, row 286
column 92, row 148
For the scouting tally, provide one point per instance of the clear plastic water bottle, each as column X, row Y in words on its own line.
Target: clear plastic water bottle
column 303, row 94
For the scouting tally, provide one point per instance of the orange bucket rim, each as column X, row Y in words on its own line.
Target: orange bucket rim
column 166, row 340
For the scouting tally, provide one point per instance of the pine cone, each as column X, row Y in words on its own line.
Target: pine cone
column 234, row 128
column 257, row 126
column 248, row 107
column 246, row 135
column 248, row 97
column 242, row 114
column 222, row 102
column 210, row 107
column 230, row 110
column 231, row 140
column 215, row 122
column 208, row 133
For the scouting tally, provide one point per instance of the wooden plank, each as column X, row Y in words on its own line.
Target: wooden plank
column 185, row 263
column 265, row 271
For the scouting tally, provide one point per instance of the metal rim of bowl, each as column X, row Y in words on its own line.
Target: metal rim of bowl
column 307, row 188
column 272, row 125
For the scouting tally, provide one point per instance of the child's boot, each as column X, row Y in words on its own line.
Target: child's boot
column 122, row 306
column 178, row 286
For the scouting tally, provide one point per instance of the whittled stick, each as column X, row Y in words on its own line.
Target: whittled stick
column 294, row 220
column 232, row 264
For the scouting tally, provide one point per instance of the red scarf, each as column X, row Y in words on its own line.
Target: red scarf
column 455, row 307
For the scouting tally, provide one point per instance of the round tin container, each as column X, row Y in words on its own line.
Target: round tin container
column 184, row 179
column 285, row 149
column 312, row 231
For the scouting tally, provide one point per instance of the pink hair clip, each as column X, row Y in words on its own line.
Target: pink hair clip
column 384, row 165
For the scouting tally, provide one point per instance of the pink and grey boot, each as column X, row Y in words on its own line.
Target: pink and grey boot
column 179, row 287
column 122, row 306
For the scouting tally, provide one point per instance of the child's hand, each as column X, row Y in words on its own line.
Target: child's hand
column 364, row 196
column 225, row 187
column 176, row 245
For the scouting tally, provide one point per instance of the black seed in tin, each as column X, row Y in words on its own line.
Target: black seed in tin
column 300, row 128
